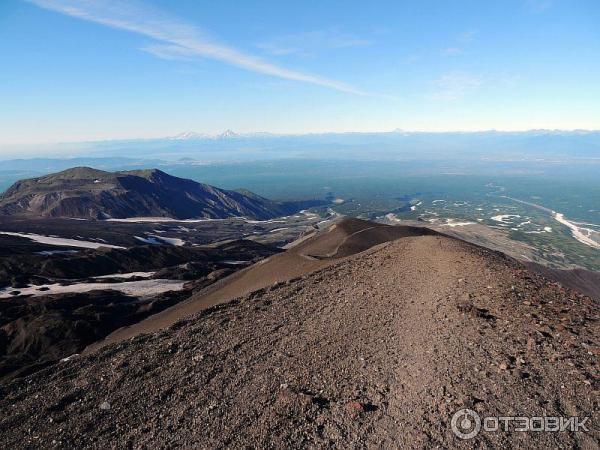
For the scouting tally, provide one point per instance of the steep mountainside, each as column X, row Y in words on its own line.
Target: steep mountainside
column 376, row 349
column 83, row 192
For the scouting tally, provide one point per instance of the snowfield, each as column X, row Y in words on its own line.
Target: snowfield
column 160, row 240
column 126, row 275
column 63, row 242
column 136, row 288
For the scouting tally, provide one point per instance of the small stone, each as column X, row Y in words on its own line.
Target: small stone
column 503, row 366
column 354, row 408
column 105, row 406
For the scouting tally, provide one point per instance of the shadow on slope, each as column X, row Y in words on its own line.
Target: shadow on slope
column 584, row 281
column 353, row 236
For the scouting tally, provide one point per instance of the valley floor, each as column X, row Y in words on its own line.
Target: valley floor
column 377, row 350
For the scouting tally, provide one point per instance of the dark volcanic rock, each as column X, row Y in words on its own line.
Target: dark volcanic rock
column 187, row 271
column 35, row 332
column 20, row 270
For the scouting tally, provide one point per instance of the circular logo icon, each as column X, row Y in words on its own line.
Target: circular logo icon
column 466, row 423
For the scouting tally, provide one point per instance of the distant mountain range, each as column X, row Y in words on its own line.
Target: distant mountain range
column 230, row 134
column 233, row 146
column 83, row 192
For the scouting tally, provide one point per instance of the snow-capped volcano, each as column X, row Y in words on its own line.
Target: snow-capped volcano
column 191, row 135
column 227, row 134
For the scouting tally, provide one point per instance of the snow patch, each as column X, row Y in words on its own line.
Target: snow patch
column 160, row 219
column 503, row 218
column 136, row 288
column 173, row 241
column 63, row 242
column 456, row 223
column 148, row 240
column 126, row 275
column 278, row 229
column 268, row 221
column 160, row 240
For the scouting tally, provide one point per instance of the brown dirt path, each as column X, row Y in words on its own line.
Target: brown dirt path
column 377, row 350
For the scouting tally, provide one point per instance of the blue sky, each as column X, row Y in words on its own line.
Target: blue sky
column 75, row 70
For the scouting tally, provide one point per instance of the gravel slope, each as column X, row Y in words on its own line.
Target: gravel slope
column 377, row 350
column 322, row 249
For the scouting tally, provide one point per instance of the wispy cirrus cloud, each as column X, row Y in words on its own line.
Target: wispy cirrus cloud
column 462, row 41
column 311, row 42
column 454, row 85
column 170, row 52
column 177, row 38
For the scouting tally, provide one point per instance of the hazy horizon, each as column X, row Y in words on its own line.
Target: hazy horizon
column 145, row 69
column 351, row 144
